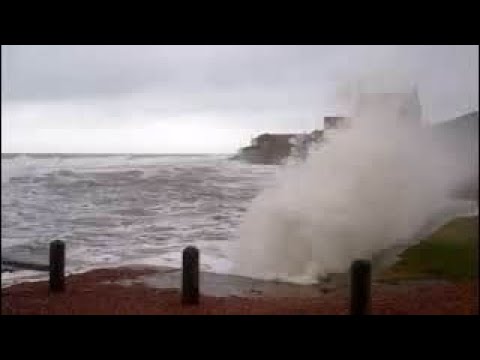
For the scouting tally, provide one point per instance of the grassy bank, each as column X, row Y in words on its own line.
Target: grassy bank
column 449, row 253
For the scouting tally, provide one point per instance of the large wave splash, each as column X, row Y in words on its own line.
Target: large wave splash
column 366, row 189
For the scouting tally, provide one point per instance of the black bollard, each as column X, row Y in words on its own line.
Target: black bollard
column 360, row 288
column 57, row 266
column 190, row 276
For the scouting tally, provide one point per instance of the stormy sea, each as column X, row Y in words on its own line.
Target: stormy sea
column 132, row 209
column 123, row 209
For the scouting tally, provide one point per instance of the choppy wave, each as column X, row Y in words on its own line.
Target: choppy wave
column 132, row 209
column 124, row 209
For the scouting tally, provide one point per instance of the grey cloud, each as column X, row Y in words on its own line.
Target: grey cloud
column 66, row 72
column 249, row 87
column 59, row 72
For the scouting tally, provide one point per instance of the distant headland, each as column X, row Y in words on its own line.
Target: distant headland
column 271, row 148
column 274, row 148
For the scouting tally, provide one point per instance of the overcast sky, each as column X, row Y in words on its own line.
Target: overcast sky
column 184, row 99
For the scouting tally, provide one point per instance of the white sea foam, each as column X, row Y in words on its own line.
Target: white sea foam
column 369, row 188
column 124, row 210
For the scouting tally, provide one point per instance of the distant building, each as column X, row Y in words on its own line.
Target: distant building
column 336, row 122
column 401, row 107
column 268, row 140
column 274, row 148
column 460, row 136
column 317, row 135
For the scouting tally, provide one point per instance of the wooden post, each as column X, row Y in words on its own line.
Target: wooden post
column 190, row 276
column 360, row 288
column 57, row 266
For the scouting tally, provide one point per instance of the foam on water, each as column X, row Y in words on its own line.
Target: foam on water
column 132, row 210
column 122, row 210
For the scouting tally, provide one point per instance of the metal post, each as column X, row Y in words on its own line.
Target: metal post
column 190, row 276
column 57, row 266
column 360, row 288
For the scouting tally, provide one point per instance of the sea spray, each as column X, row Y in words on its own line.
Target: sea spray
column 365, row 190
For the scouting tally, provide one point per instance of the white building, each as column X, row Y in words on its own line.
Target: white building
column 401, row 107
